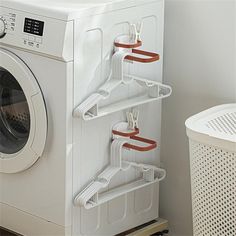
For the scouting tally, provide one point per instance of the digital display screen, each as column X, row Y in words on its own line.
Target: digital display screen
column 32, row 26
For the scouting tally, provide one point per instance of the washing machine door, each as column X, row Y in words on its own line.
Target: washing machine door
column 23, row 118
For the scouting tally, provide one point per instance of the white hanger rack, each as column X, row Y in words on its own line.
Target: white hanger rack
column 124, row 133
column 90, row 109
column 93, row 196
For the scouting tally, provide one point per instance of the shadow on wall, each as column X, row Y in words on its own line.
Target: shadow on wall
column 199, row 64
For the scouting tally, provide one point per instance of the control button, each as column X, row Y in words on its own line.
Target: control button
column 38, row 40
column 12, row 19
column 12, row 15
column 31, row 38
column 3, row 27
column 31, row 44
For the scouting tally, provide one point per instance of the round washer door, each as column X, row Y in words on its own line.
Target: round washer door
column 23, row 117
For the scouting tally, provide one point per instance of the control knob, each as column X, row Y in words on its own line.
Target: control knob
column 3, row 27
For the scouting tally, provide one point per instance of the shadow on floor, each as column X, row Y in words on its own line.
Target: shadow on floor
column 6, row 233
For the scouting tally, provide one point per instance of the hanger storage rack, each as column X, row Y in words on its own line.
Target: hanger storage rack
column 125, row 134
column 124, row 51
column 93, row 195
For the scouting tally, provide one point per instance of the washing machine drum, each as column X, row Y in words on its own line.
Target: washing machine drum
column 23, row 117
column 14, row 114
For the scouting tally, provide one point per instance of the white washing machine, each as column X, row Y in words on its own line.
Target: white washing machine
column 53, row 55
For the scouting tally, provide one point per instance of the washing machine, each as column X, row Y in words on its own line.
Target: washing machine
column 53, row 55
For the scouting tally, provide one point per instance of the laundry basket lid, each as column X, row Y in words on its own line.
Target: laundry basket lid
column 217, row 123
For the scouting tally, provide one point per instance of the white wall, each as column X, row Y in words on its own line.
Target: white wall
column 200, row 52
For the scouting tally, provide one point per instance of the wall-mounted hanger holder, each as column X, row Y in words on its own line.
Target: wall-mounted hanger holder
column 93, row 196
column 125, row 50
column 121, row 130
column 127, row 43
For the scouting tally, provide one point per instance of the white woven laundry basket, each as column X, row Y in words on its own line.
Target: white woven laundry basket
column 212, row 140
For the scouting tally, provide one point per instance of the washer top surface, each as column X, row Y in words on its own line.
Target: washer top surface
column 71, row 9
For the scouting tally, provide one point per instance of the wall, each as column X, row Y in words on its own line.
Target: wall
column 199, row 64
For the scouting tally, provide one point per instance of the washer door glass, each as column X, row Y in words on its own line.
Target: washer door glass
column 14, row 114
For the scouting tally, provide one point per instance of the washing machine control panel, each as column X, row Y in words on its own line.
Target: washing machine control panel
column 36, row 33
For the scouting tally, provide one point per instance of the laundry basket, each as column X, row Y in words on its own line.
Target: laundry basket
column 212, row 140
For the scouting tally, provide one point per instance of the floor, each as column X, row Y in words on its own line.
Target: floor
column 6, row 233
column 149, row 228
